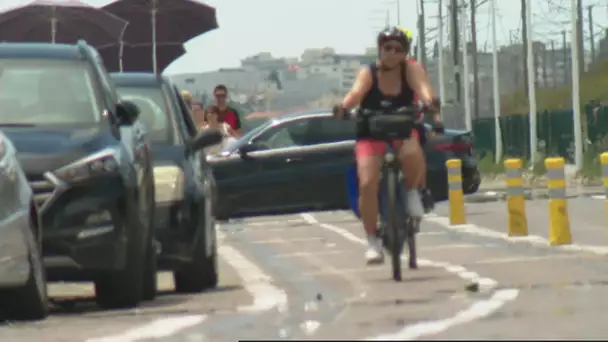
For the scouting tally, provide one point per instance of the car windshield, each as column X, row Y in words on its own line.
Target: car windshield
column 154, row 111
column 38, row 92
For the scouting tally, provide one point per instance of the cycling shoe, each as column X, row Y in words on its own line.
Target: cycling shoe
column 428, row 202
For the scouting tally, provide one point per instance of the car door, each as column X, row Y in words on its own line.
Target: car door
column 299, row 166
column 328, row 163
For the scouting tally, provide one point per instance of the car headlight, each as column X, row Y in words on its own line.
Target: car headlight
column 87, row 168
column 8, row 166
column 169, row 183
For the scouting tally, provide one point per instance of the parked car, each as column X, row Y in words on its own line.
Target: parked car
column 299, row 162
column 86, row 157
column 22, row 279
column 185, row 187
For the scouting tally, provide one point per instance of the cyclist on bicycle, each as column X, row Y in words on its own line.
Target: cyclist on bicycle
column 392, row 82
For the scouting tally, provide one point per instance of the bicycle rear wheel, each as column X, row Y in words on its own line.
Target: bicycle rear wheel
column 395, row 244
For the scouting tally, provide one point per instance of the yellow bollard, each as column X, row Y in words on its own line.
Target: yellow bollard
column 559, row 224
column 456, row 195
column 604, row 159
column 516, row 204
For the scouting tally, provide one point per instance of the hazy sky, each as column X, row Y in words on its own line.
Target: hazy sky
column 287, row 27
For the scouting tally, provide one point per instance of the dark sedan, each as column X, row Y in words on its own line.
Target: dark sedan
column 299, row 162
column 22, row 278
column 184, row 219
column 86, row 157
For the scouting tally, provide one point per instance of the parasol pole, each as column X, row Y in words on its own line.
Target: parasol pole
column 154, row 35
column 120, row 55
column 53, row 24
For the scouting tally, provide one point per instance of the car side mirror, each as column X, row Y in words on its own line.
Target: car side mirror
column 246, row 149
column 127, row 112
column 205, row 138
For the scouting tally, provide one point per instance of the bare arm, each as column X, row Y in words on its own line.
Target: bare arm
column 361, row 87
column 419, row 81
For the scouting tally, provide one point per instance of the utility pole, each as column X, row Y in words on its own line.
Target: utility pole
column 553, row 64
column 580, row 39
column 524, row 26
column 398, row 12
column 531, row 85
column 455, row 48
column 465, row 69
column 576, row 106
column 496, row 88
column 441, row 59
column 474, row 61
column 545, row 80
column 422, row 35
column 592, row 36
column 566, row 65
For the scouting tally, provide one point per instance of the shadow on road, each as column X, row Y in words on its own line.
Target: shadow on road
column 166, row 302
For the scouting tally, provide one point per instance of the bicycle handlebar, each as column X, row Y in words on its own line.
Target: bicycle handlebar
column 410, row 110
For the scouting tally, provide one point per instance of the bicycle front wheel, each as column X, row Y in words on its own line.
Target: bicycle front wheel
column 395, row 244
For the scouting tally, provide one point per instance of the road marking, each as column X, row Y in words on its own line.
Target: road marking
column 258, row 284
column 479, row 309
column 531, row 239
column 599, row 197
column 449, row 246
column 525, row 259
column 307, row 254
column 282, row 241
column 157, row 329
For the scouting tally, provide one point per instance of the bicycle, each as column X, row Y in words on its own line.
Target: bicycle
column 396, row 225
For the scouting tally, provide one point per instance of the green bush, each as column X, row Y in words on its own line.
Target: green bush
column 488, row 167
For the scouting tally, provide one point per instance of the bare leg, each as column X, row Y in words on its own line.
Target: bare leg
column 413, row 163
column 368, row 170
column 413, row 166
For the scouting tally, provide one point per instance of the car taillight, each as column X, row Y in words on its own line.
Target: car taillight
column 454, row 147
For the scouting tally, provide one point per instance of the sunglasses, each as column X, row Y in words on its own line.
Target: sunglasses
column 393, row 48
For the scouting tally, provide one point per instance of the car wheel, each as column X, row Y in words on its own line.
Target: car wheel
column 150, row 279
column 30, row 301
column 202, row 272
column 472, row 183
column 123, row 289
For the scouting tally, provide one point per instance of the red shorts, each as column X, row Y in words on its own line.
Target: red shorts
column 371, row 147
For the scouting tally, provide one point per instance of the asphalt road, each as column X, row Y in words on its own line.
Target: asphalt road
column 303, row 277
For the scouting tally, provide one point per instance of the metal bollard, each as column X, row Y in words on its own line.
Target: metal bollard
column 516, row 204
column 604, row 160
column 455, row 193
column 559, row 224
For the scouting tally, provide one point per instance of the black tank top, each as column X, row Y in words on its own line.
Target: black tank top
column 375, row 100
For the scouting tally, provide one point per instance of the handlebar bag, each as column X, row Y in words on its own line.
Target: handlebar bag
column 390, row 127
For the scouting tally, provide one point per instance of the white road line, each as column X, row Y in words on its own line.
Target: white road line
column 157, row 329
column 307, row 254
column 265, row 295
column 479, row 309
column 526, row 259
column 283, row 241
column 599, row 197
column 531, row 239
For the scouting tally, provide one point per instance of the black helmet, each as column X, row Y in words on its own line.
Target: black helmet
column 396, row 33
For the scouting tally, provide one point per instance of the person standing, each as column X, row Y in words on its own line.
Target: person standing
column 226, row 113
column 198, row 114
column 187, row 96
